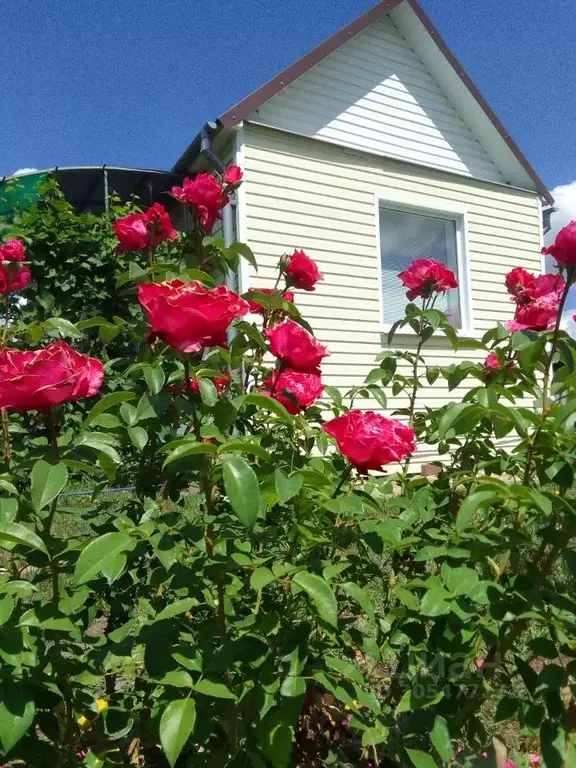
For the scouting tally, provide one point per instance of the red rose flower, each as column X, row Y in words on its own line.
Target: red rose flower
column 232, row 175
column 159, row 225
column 492, row 361
column 295, row 347
column 520, row 283
column 296, row 390
column 564, row 247
column 548, row 285
column 302, row 271
column 132, row 232
column 39, row 379
column 13, row 250
column 140, row 231
column 14, row 277
column 369, row 440
column 257, row 308
column 538, row 315
column 206, row 194
column 188, row 316
column 425, row 277
column 492, row 364
column 539, row 309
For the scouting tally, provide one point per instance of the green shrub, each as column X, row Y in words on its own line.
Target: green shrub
column 256, row 599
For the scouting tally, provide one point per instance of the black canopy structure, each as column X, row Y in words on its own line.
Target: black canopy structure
column 87, row 188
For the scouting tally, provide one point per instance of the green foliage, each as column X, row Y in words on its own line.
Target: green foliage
column 252, row 602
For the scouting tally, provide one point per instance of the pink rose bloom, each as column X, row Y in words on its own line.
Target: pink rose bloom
column 564, row 247
column 35, row 380
column 519, row 283
column 295, row 347
column 302, row 271
column 14, row 277
column 188, row 316
column 535, row 760
column 296, row 390
column 232, row 175
column 479, row 663
column 140, row 231
column 206, row 194
column 370, row 440
column 13, row 250
column 425, row 277
column 538, row 315
column 132, row 232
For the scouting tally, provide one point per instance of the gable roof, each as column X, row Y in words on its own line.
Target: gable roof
column 476, row 109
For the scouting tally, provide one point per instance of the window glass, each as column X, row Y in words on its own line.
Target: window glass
column 405, row 236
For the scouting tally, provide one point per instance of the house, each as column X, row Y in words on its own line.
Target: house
column 374, row 149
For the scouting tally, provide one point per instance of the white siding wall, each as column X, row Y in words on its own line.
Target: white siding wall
column 301, row 193
column 375, row 94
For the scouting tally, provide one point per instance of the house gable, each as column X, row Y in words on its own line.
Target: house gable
column 375, row 94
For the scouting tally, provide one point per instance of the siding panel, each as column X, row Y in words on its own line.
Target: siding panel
column 311, row 195
column 375, row 94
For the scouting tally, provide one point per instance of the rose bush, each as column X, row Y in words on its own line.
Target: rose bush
column 258, row 598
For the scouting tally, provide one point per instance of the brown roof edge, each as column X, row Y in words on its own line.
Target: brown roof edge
column 463, row 75
column 255, row 100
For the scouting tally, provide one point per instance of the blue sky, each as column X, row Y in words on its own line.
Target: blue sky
column 130, row 82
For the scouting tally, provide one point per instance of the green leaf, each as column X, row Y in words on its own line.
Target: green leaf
column 183, row 451
column 335, row 394
column 293, row 686
column 407, row 598
column 434, row 602
column 267, row 404
column 155, row 378
column 64, row 326
column 242, row 489
column 106, row 402
column 459, row 417
column 440, row 736
column 47, row 482
column 14, row 533
column 138, row 436
column 373, row 736
column 99, row 553
column 361, row 597
column 246, row 252
column 552, row 744
column 95, row 441
column 215, row 689
column 321, row 594
column 6, row 608
column 208, row 392
column 176, row 608
column 470, row 506
column 506, row 709
column 176, row 726
column 248, row 446
column 17, row 710
column 261, row 577
column 421, row 759
column 287, row 487
column 460, row 580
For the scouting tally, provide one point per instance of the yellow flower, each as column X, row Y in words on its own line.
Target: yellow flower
column 101, row 704
column 82, row 721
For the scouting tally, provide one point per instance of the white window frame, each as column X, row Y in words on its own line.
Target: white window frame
column 409, row 202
